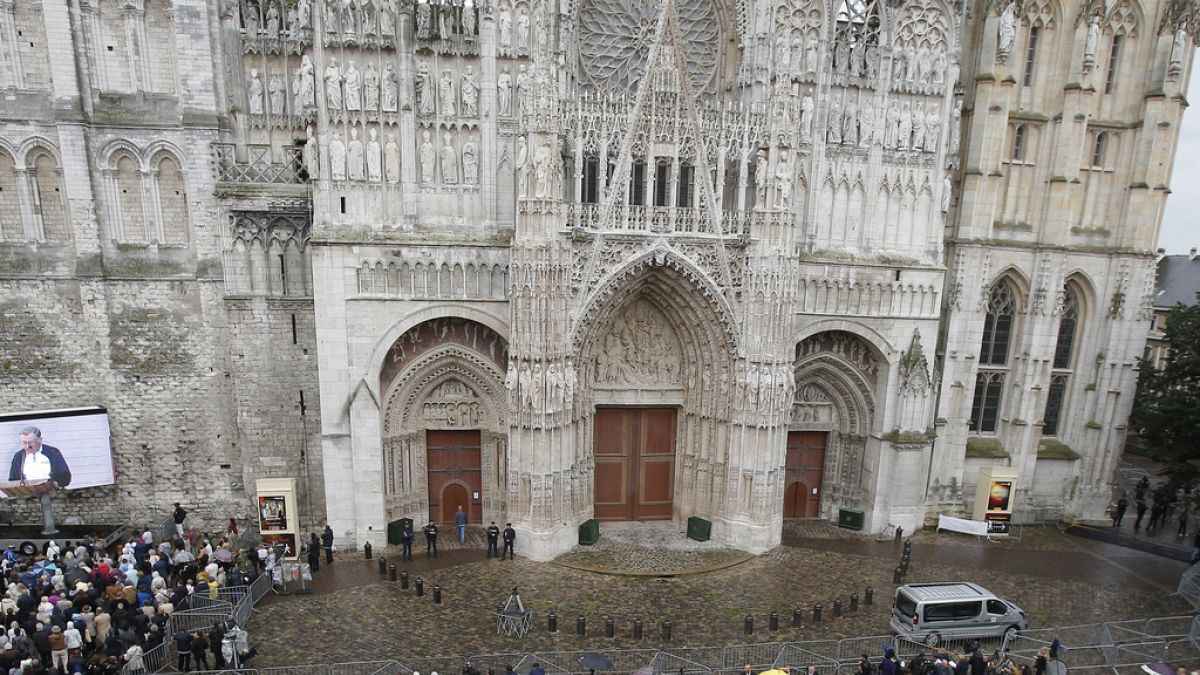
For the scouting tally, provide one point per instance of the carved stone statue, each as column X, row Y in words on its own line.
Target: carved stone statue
column 947, row 190
column 278, row 95
column 842, row 54
column 449, row 160
column 783, row 182
column 255, row 93
column 424, row 87
column 445, row 22
column 506, row 26
column 371, row 88
column 374, row 157
column 337, row 158
column 891, row 126
column 273, row 21
column 470, row 163
column 333, row 85
column 918, row 127
column 353, row 85
column 924, row 65
column 1178, row 47
column 955, row 123
column 1091, row 43
column 391, row 159
column 523, row 30
column 866, row 124
column 251, row 19
column 544, row 171
column 504, row 91
column 468, row 20
column 428, row 158
column 914, row 66
column 850, row 124
column 1007, row 29
column 391, row 88
column 939, row 67
column 762, row 178
column 387, row 18
column 811, row 56
column 899, row 65
column 470, row 93
column 905, row 128
column 303, row 14
column 933, row 129
column 522, row 167
column 370, row 18
column 522, row 88
column 348, row 17
column 311, row 162
column 856, row 59
column 806, row 116
column 447, row 94
column 833, row 125
column 424, row 21
column 354, row 156
column 304, row 86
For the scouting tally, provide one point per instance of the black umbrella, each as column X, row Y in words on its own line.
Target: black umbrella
column 594, row 661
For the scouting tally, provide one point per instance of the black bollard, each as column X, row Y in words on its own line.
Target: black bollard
column 420, row 588
column 898, row 576
column 609, row 627
column 637, row 629
column 817, row 613
column 773, row 624
column 404, row 581
column 870, row 596
column 437, row 594
column 798, row 617
column 552, row 623
column 853, row 602
column 748, row 625
column 391, row 572
column 382, row 565
column 837, row 608
column 367, row 550
column 665, row 631
column 581, row 626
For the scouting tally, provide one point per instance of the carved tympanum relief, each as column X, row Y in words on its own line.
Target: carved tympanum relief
column 640, row 348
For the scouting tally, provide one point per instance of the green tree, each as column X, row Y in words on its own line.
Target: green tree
column 1166, row 410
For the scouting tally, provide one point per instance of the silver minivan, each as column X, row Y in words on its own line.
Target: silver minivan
column 932, row 612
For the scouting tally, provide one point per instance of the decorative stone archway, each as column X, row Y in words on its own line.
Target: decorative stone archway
column 837, row 376
column 444, row 374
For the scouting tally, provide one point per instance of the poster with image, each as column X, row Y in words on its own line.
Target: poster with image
column 70, row 448
column 999, row 495
column 272, row 514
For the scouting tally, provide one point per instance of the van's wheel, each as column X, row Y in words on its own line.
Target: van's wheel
column 1009, row 634
column 27, row 548
column 933, row 639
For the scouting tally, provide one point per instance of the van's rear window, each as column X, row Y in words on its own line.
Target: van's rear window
column 906, row 605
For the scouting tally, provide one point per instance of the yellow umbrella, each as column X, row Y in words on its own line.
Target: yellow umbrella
column 774, row 671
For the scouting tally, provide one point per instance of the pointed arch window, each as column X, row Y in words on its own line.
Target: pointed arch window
column 1114, row 57
column 1035, row 33
column 1018, row 146
column 591, row 181
column 856, row 35
column 1099, row 149
column 1064, row 356
column 998, row 329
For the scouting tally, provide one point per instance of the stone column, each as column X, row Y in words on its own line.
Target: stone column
column 10, row 55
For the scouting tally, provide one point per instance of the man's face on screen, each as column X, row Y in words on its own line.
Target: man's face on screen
column 30, row 442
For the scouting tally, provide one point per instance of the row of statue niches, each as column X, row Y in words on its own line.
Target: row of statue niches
column 372, row 161
column 914, row 69
column 353, row 18
column 447, row 21
column 901, row 126
column 458, row 95
column 551, row 388
column 368, row 90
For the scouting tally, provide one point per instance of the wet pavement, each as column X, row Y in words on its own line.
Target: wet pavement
column 354, row 614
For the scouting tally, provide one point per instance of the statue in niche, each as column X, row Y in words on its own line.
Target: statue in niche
column 523, row 30
column 446, row 91
column 354, row 156
column 891, row 127
column 391, row 88
column 947, row 190
column 783, row 181
column 522, row 87
column 783, row 56
column 331, row 16
column 762, row 177
column 504, row 91
column 924, row 65
column 842, row 56
column 536, row 396
column 445, row 22
column 939, row 67
column 293, row 23
column 353, row 85
column 955, row 124
column 506, row 26
column 387, row 17
column 311, row 163
column 914, row 66
column 273, row 21
column 251, row 19
column 522, row 166
column 470, row 93
column 391, row 159
column 277, row 94
column 545, row 171
column 424, row 21
column 304, row 85
column 371, row 88
column 811, row 55
column 899, row 64
column 348, row 17
column 428, row 158
column 918, row 127
column 523, row 384
column 337, row 158
column 470, row 163
column 424, row 87
column 370, row 23
column 871, row 62
column 833, row 126
column 850, row 124
column 905, row 128
column 866, row 124
column 469, row 20
column 570, row 381
column 374, row 157
column 1178, row 47
column 933, row 129
column 806, row 115
column 449, row 160
column 303, row 14
column 1092, row 42
column 1007, row 28
column 856, row 58
column 510, row 378
column 333, row 85
column 256, row 93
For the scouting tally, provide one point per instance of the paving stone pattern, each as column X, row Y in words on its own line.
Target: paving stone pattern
column 355, row 615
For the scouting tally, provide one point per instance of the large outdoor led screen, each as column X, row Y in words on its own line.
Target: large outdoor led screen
column 72, row 449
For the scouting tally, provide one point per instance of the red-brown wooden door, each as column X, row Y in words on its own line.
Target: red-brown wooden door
column 805, row 466
column 455, row 475
column 635, row 463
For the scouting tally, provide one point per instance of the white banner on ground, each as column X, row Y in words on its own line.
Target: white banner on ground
column 975, row 527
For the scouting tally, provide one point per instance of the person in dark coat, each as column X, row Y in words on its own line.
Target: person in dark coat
column 978, row 663
column 1119, row 515
column 215, row 637
column 1141, row 512
column 32, row 453
column 493, row 539
column 327, row 544
column 510, row 536
column 406, row 538
column 314, row 552
column 889, row 665
column 431, row 532
column 183, row 646
column 200, row 650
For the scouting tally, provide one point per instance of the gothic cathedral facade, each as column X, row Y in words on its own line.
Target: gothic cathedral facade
column 555, row 260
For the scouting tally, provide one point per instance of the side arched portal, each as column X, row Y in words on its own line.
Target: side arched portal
column 445, row 426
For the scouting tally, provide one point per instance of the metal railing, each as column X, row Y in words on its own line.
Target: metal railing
column 259, row 167
column 1112, row 647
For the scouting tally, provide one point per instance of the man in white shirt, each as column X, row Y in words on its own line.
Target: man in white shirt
column 36, row 461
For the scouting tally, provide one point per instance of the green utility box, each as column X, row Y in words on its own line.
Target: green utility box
column 589, row 532
column 394, row 529
column 851, row 519
column 699, row 529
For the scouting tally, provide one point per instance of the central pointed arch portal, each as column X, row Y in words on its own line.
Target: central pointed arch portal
column 654, row 345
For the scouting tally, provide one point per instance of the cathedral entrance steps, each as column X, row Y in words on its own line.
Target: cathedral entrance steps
column 657, row 549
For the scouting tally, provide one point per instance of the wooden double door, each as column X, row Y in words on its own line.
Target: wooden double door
column 454, row 466
column 805, row 467
column 635, row 463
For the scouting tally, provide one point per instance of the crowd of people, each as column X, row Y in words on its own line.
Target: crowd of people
column 79, row 608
